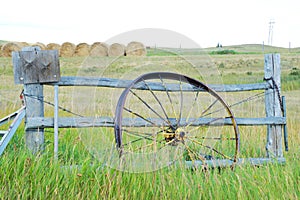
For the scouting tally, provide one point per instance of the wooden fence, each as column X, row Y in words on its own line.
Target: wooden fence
column 35, row 68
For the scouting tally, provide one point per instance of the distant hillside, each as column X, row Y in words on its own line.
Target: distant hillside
column 234, row 49
column 255, row 48
column 2, row 42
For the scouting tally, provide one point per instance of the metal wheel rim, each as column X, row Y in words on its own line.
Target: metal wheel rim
column 176, row 77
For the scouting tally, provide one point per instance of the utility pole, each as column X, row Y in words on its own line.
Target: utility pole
column 271, row 26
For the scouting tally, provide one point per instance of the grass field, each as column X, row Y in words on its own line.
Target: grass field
column 78, row 175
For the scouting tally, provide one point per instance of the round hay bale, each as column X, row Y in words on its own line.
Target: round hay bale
column 67, row 49
column 53, row 46
column 39, row 44
column 8, row 48
column 22, row 44
column 135, row 49
column 116, row 49
column 82, row 49
column 99, row 49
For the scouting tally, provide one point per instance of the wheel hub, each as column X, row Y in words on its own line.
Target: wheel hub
column 174, row 137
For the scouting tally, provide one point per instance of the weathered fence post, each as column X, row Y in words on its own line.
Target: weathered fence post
column 32, row 67
column 273, row 105
column 34, row 97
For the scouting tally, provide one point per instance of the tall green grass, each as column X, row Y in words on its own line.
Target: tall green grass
column 79, row 175
column 27, row 176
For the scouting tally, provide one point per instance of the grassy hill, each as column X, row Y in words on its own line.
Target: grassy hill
column 234, row 49
column 2, row 42
column 258, row 48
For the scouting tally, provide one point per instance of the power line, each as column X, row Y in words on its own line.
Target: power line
column 271, row 26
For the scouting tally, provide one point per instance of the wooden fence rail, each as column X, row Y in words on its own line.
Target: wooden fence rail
column 117, row 83
column 84, row 122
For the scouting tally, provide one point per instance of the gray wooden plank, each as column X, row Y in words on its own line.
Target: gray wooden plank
column 241, row 161
column 34, row 108
column 48, row 66
column 83, row 122
column 117, row 83
column 31, row 65
column 210, row 163
column 272, row 105
column 70, row 122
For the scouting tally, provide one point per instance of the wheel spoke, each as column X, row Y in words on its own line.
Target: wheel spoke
column 193, row 153
column 194, row 103
column 168, row 143
column 137, row 133
column 149, row 145
column 136, row 140
column 209, row 147
column 140, row 116
column 158, row 101
column 141, row 136
column 207, row 124
column 215, row 111
column 210, row 138
column 181, row 103
column 209, row 107
column 169, row 97
column 148, row 106
column 203, row 112
column 139, row 139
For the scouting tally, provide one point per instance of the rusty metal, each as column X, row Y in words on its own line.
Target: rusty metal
column 173, row 131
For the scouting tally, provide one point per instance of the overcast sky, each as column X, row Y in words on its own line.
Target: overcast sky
column 205, row 22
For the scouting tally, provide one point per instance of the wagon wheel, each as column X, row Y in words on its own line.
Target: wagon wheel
column 162, row 116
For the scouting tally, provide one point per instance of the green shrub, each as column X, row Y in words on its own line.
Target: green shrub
column 223, row 52
column 295, row 72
